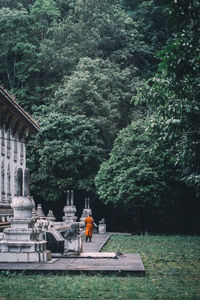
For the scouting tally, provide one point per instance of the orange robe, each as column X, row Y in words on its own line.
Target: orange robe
column 89, row 226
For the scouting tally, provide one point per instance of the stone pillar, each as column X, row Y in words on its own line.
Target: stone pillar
column 102, row 226
column 70, row 208
column 22, row 242
column 86, row 211
column 73, row 240
column 19, row 182
column 26, row 183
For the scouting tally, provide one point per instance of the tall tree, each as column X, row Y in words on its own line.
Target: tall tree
column 66, row 153
column 174, row 93
column 153, row 25
column 100, row 91
column 95, row 29
column 14, row 46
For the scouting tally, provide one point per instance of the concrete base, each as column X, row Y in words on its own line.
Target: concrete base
column 73, row 246
column 102, row 228
column 25, row 257
column 126, row 264
column 98, row 255
column 90, row 262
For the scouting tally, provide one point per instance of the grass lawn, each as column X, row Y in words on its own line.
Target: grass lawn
column 172, row 264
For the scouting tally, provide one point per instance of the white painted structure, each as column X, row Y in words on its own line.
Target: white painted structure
column 15, row 126
column 21, row 242
column 13, row 156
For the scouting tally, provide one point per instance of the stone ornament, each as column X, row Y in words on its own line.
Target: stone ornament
column 70, row 209
column 86, row 211
column 22, row 242
column 50, row 216
column 40, row 213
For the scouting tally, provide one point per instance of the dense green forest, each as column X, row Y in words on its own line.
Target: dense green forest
column 115, row 88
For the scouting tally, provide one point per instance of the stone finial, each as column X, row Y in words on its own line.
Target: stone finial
column 19, row 181
column 40, row 213
column 34, row 213
column 26, row 182
column 87, row 203
column 50, row 216
column 72, row 197
column 69, row 210
column 86, row 211
column 68, row 197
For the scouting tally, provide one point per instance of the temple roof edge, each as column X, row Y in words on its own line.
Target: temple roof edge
column 18, row 111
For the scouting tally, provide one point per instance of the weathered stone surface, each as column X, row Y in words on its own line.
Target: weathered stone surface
column 22, row 207
column 40, row 213
column 55, row 241
column 70, row 209
column 98, row 241
column 117, row 263
column 25, row 257
column 102, row 228
column 69, row 212
column 86, row 211
column 26, row 182
column 50, row 216
column 22, row 242
column 129, row 262
column 98, row 255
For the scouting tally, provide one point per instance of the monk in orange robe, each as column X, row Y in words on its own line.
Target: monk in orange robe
column 89, row 221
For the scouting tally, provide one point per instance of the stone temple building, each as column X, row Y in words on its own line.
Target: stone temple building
column 15, row 126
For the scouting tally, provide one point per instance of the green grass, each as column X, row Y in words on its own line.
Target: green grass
column 172, row 264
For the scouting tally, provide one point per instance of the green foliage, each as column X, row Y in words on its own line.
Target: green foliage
column 174, row 95
column 161, row 255
column 43, row 13
column 153, row 26
column 132, row 177
column 140, row 177
column 99, row 90
column 14, row 46
column 96, row 30
column 83, row 60
column 65, row 153
column 20, row 64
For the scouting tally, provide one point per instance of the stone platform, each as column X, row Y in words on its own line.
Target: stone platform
column 89, row 262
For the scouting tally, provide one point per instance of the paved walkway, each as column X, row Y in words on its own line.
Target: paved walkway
column 98, row 241
column 91, row 261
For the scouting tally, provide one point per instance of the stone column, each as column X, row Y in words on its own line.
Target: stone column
column 86, row 211
column 19, row 182
column 22, row 242
column 70, row 208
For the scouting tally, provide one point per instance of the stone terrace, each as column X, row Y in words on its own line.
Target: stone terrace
column 90, row 261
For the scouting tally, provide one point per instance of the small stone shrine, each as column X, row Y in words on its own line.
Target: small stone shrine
column 32, row 236
column 102, row 226
column 22, row 241
column 70, row 208
column 50, row 216
column 40, row 213
column 86, row 211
